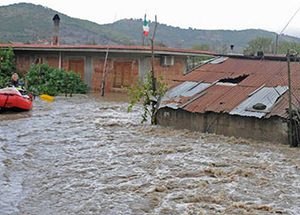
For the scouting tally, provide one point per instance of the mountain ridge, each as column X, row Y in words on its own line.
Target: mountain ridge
column 30, row 23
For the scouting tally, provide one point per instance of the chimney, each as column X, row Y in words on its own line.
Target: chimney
column 260, row 54
column 55, row 40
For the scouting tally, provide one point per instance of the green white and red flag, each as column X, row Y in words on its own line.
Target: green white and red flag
column 145, row 27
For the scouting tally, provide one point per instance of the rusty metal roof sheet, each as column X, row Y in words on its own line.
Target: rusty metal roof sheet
column 281, row 106
column 208, row 97
column 268, row 72
column 204, row 76
column 266, row 95
column 230, row 99
column 219, row 99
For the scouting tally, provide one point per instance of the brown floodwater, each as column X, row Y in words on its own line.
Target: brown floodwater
column 87, row 155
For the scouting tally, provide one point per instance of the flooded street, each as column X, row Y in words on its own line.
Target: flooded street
column 86, row 155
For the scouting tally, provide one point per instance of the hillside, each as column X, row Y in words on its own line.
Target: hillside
column 31, row 23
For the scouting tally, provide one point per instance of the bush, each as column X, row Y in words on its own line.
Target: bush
column 144, row 92
column 43, row 79
column 7, row 66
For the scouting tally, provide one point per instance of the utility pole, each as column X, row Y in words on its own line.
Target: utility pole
column 276, row 43
column 153, row 79
column 290, row 131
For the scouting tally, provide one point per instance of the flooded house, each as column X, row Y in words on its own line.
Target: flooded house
column 235, row 96
column 124, row 66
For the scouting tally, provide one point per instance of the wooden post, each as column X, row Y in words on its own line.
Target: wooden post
column 290, row 133
column 104, row 74
column 153, row 79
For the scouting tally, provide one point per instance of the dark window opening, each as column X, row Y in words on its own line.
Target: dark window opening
column 234, row 80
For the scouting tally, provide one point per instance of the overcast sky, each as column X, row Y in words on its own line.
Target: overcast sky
column 210, row 14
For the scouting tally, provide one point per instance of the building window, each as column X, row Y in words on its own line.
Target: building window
column 167, row 61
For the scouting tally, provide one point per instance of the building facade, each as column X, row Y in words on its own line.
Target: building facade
column 125, row 65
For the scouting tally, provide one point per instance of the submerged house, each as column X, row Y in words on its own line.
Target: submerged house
column 234, row 96
column 125, row 64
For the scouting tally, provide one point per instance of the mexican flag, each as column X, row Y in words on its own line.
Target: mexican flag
column 146, row 27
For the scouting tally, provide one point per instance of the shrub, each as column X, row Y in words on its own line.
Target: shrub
column 43, row 79
column 150, row 98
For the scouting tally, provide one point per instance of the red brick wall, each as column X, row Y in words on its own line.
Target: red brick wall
column 52, row 61
column 121, row 72
column 169, row 73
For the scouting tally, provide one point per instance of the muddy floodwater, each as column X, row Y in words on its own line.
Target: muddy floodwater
column 87, row 155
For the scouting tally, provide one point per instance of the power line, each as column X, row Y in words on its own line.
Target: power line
column 289, row 21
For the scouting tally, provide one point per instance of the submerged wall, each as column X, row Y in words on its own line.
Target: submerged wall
column 273, row 129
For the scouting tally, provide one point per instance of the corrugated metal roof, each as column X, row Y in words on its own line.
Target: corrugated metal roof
column 267, row 96
column 266, row 82
column 204, row 76
column 281, row 107
column 230, row 99
column 268, row 72
column 201, row 104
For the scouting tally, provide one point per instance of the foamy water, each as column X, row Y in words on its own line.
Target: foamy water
column 85, row 155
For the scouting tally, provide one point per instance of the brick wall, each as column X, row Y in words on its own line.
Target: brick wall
column 169, row 73
column 121, row 71
column 23, row 63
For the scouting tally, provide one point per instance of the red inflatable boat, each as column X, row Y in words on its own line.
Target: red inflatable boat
column 11, row 98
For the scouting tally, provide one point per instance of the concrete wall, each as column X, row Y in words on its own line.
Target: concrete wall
column 122, row 69
column 272, row 129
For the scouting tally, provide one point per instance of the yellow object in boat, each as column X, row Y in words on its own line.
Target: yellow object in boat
column 47, row 98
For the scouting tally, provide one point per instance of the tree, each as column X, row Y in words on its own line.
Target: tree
column 143, row 92
column 7, row 66
column 285, row 45
column 264, row 44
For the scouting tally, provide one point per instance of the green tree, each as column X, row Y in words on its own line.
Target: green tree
column 283, row 46
column 264, row 44
column 7, row 66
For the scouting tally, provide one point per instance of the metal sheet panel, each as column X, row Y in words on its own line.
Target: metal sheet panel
column 178, row 90
column 218, row 60
column 267, row 96
column 196, row 89
column 182, row 93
